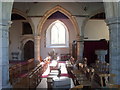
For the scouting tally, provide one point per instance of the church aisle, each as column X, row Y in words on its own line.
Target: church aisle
column 63, row 81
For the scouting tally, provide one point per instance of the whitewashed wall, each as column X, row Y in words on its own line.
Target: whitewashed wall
column 75, row 8
column 96, row 30
column 72, row 36
column 17, row 40
column 15, row 33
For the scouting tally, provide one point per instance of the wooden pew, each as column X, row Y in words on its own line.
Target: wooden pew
column 23, row 83
column 20, row 70
column 32, row 78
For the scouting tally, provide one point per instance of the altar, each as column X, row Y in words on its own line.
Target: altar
column 53, row 65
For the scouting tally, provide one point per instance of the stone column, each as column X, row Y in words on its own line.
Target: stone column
column 101, row 55
column 37, row 49
column 4, row 54
column 5, row 10
column 114, row 46
column 80, row 47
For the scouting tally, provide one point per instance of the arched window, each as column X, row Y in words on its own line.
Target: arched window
column 57, row 35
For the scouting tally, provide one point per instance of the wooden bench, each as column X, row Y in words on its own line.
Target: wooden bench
column 32, row 78
column 17, row 71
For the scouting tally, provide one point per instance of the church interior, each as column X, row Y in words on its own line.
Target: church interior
column 63, row 45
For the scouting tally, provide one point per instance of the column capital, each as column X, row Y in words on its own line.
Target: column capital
column 5, row 24
column 37, row 37
column 115, row 20
column 9, row 23
column 80, row 38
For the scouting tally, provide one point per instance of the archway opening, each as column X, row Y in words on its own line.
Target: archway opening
column 57, row 13
column 20, row 30
column 58, row 32
column 96, row 37
column 28, row 50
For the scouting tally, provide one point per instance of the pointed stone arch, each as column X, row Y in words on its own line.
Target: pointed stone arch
column 16, row 11
column 62, row 10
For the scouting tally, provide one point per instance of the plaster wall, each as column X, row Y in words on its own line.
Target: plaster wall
column 96, row 30
column 72, row 36
column 75, row 8
column 15, row 34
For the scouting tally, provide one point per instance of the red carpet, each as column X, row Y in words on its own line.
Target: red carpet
column 62, row 74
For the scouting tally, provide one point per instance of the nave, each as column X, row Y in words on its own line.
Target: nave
column 83, row 35
column 56, row 74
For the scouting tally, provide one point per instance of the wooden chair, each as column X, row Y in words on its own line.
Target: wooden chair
column 79, row 87
column 72, row 60
column 113, row 86
column 105, row 76
column 91, row 74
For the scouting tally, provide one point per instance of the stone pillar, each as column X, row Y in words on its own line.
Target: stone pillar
column 80, row 47
column 4, row 54
column 5, row 9
column 37, row 49
column 114, row 47
column 101, row 55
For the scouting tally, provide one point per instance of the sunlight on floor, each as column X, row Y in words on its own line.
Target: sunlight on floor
column 47, row 71
column 58, row 82
column 63, row 68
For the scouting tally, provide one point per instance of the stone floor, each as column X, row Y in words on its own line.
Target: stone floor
column 59, row 82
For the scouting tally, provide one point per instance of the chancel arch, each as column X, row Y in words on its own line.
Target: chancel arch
column 48, row 14
column 62, row 10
